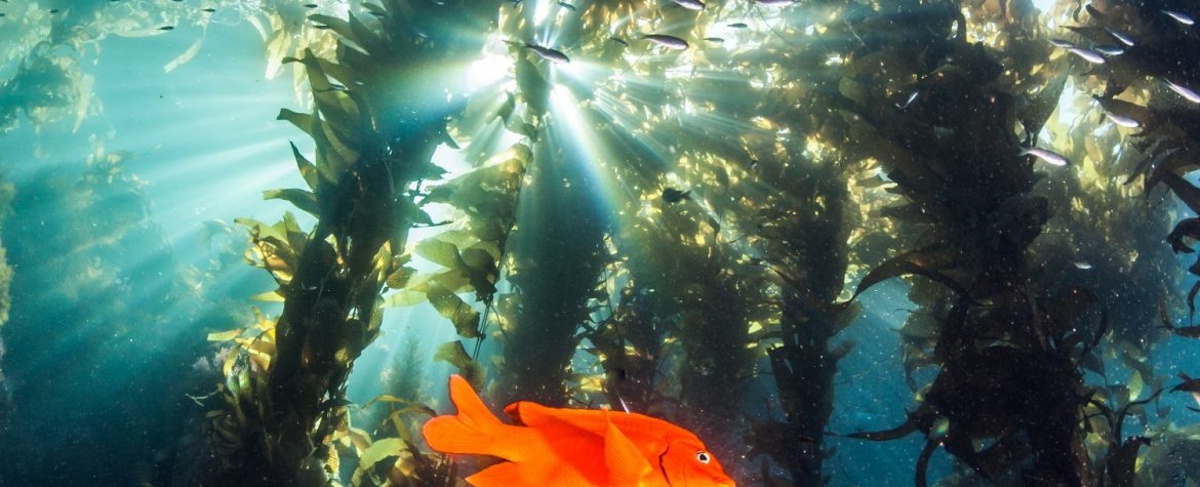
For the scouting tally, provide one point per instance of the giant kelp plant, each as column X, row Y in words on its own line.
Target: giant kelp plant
column 566, row 229
column 1007, row 351
column 376, row 128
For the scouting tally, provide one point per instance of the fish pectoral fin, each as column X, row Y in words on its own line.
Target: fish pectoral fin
column 626, row 465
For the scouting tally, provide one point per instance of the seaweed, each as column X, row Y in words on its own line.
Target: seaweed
column 555, row 260
column 952, row 156
column 73, row 225
column 283, row 415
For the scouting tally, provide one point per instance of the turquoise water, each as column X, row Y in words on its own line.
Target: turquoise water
column 600, row 219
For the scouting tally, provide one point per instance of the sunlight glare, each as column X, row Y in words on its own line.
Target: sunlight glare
column 487, row 71
column 1067, row 108
column 540, row 11
column 1046, row 6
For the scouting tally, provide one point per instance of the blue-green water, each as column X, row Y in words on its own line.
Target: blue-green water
column 795, row 135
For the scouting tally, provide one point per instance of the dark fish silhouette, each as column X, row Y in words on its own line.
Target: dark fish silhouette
column 672, row 195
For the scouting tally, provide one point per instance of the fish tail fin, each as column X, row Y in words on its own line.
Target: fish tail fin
column 472, row 431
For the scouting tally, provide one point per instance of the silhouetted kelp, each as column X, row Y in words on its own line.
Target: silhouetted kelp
column 98, row 318
column 1008, row 353
column 555, row 266
column 1161, row 51
column 6, row 274
column 789, row 202
column 45, row 88
column 46, row 43
column 558, row 256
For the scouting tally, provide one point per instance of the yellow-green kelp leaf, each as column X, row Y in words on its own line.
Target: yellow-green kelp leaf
column 400, row 277
column 1136, row 384
column 308, row 170
column 413, row 213
column 378, row 451
column 285, row 233
column 367, row 39
column 224, row 336
column 335, row 24
column 481, row 269
column 455, row 354
column 303, row 200
column 403, row 297
column 406, row 404
column 330, row 162
column 346, row 76
column 277, row 247
column 449, row 305
column 400, row 407
column 275, row 296
column 296, row 236
column 439, row 252
column 340, row 111
column 261, row 230
column 302, row 121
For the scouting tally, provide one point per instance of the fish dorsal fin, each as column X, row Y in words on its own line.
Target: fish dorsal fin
column 639, row 427
column 468, row 402
column 626, row 465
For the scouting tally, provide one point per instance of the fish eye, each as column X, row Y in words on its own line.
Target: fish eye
column 702, row 457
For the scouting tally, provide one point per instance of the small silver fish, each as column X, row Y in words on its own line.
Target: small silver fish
column 690, row 4
column 548, row 54
column 714, row 39
column 908, row 101
column 738, row 25
column 1185, row 92
column 1123, row 121
column 670, row 42
column 1087, row 55
column 1182, row 18
column 619, row 40
column 1110, row 49
column 1121, row 37
column 774, row 3
column 1062, row 43
column 1049, row 157
column 566, row 6
column 1079, row 264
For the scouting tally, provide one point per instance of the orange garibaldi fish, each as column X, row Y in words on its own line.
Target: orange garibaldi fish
column 572, row 447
